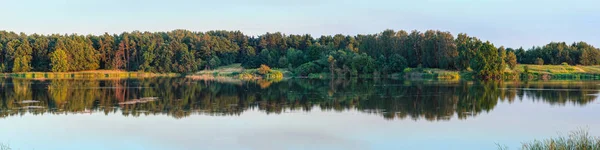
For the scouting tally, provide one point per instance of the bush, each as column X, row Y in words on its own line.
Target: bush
column 539, row 61
column 264, row 69
column 246, row 76
column 307, row 68
column 275, row 74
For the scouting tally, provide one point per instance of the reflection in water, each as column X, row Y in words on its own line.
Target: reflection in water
column 180, row 97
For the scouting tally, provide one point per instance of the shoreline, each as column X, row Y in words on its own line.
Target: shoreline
column 520, row 72
column 92, row 74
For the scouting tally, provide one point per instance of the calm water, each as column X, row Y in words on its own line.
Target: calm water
column 173, row 113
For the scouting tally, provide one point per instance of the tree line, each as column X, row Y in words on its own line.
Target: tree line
column 184, row 51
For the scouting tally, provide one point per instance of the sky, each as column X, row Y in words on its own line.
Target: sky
column 511, row 23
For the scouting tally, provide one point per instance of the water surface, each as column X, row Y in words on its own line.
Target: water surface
column 177, row 113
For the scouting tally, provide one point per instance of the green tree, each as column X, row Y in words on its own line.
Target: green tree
column 331, row 61
column 486, row 62
column 397, row 63
column 58, row 61
column 511, row 60
column 539, row 61
column 22, row 61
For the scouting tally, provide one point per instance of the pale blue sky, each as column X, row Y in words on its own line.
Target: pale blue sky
column 511, row 23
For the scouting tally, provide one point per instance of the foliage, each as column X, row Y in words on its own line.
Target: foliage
column 486, row 63
column 264, row 69
column 539, row 61
column 183, row 51
column 58, row 61
column 579, row 139
column 511, row 60
column 558, row 52
column 307, row 68
column 274, row 74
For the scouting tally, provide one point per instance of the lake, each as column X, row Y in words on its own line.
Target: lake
column 180, row 113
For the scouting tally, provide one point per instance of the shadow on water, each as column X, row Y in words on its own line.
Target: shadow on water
column 181, row 97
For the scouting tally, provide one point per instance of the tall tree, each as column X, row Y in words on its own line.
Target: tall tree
column 59, row 62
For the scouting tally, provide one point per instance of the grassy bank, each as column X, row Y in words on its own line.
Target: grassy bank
column 557, row 72
column 237, row 72
column 575, row 140
column 94, row 74
column 520, row 72
column 430, row 73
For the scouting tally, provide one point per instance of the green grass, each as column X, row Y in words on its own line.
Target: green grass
column 558, row 72
column 93, row 74
column 559, row 69
column 237, row 71
column 232, row 69
column 554, row 72
column 430, row 73
column 101, row 74
column 576, row 140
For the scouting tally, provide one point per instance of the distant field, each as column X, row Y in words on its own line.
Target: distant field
column 560, row 69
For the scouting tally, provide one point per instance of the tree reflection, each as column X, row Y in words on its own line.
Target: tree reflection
column 181, row 97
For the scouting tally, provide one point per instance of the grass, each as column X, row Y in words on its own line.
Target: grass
column 103, row 74
column 576, row 140
column 430, row 73
column 558, row 72
column 228, row 70
column 559, row 69
column 236, row 71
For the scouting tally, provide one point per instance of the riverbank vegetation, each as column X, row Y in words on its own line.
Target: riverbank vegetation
column 576, row 140
column 95, row 74
column 180, row 51
column 236, row 71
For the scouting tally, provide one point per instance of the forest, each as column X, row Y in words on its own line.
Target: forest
column 184, row 51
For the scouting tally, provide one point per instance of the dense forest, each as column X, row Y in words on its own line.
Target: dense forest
column 185, row 51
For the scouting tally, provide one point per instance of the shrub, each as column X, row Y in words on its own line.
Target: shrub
column 264, row 69
column 246, row 76
column 275, row 74
column 539, row 61
column 307, row 68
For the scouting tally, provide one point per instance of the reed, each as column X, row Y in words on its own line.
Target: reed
column 576, row 140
